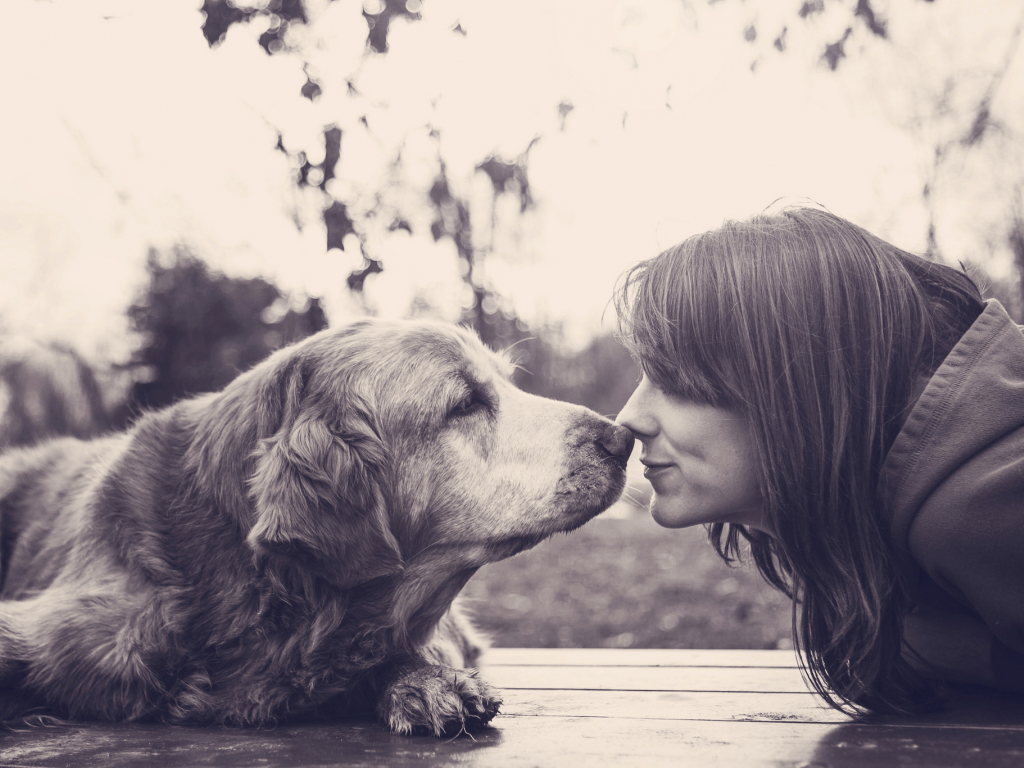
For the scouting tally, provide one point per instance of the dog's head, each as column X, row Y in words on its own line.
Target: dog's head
column 391, row 446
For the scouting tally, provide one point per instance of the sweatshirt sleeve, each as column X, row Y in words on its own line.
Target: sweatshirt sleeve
column 1007, row 667
column 968, row 536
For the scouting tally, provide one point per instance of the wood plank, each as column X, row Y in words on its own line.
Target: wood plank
column 519, row 741
column 628, row 678
column 648, row 657
column 670, row 705
column 582, row 714
column 974, row 711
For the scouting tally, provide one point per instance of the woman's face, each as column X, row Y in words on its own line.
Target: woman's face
column 698, row 458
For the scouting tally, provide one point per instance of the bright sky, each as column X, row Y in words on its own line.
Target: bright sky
column 124, row 131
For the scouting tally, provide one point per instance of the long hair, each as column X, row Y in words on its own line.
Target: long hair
column 819, row 333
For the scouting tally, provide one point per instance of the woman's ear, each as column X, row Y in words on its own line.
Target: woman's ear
column 318, row 499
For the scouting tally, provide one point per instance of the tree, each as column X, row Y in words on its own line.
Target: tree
column 861, row 16
column 601, row 376
column 282, row 16
column 47, row 390
column 200, row 329
column 449, row 199
column 975, row 133
column 456, row 211
column 952, row 108
column 452, row 219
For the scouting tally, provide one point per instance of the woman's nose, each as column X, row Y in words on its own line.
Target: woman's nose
column 635, row 417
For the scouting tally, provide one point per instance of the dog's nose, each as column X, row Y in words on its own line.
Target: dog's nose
column 617, row 440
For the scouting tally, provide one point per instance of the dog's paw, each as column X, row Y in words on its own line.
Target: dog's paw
column 438, row 699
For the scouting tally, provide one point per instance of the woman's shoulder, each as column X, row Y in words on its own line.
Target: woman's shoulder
column 968, row 536
column 962, row 424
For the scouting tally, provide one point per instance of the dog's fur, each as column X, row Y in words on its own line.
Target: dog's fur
column 293, row 544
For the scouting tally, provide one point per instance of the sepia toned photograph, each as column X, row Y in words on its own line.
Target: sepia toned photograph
column 535, row 383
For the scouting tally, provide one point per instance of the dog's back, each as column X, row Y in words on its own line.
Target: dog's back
column 40, row 511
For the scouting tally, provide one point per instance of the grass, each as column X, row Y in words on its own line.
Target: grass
column 627, row 583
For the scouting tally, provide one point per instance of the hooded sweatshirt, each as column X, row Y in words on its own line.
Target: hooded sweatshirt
column 954, row 483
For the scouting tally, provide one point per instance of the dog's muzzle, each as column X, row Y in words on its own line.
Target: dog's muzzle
column 617, row 440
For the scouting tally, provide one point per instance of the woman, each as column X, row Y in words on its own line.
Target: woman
column 856, row 414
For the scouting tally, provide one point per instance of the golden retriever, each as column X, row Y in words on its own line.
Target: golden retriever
column 293, row 544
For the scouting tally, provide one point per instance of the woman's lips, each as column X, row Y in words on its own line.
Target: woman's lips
column 653, row 471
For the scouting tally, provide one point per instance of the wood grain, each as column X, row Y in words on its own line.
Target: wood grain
column 585, row 708
column 631, row 678
column 521, row 741
column 638, row 657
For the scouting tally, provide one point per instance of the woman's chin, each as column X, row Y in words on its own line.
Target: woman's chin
column 668, row 514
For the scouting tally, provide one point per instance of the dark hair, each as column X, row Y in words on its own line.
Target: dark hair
column 818, row 332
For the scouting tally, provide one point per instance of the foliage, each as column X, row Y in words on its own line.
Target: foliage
column 601, row 376
column 379, row 19
column 200, row 328
column 627, row 583
column 451, row 213
column 221, row 14
column 450, row 209
column 47, row 390
column 862, row 15
column 282, row 15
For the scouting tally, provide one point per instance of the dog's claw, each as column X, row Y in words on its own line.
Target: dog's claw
column 439, row 700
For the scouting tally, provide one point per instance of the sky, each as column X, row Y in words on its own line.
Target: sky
column 125, row 131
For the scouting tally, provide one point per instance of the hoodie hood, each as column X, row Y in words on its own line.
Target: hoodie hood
column 972, row 404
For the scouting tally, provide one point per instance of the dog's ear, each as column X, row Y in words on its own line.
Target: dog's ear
column 317, row 493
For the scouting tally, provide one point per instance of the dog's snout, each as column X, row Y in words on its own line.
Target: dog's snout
column 617, row 440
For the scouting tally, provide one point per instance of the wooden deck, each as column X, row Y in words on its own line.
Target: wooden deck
column 586, row 708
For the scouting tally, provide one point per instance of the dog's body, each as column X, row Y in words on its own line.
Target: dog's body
column 293, row 544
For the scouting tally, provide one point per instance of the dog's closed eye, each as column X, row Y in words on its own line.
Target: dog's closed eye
column 473, row 403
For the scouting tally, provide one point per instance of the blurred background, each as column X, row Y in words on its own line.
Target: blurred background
column 186, row 186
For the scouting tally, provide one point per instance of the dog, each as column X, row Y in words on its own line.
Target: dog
column 293, row 545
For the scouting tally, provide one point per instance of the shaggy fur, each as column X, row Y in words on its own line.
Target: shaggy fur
column 293, row 544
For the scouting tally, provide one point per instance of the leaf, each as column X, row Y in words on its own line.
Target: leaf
column 332, row 153
column 874, row 23
column 304, row 169
column 811, row 7
column 780, row 41
column 219, row 16
column 564, row 108
column 357, row 279
column 498, row 171
column 835, row 51
column 338, row 225
column 311, row 89
column 378, row 23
